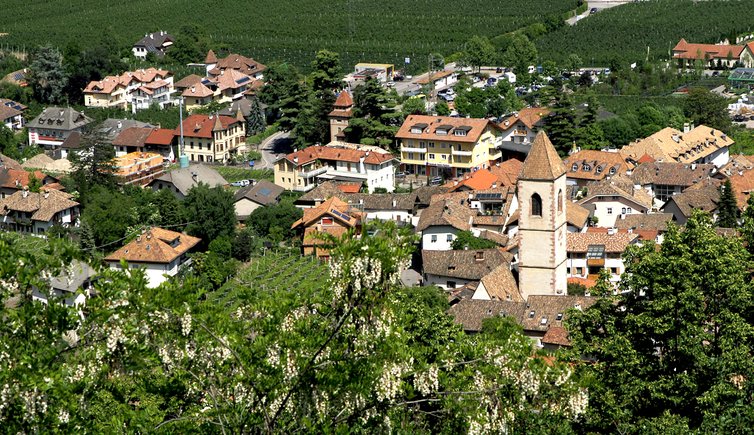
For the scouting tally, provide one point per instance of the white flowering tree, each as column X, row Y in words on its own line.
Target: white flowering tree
column 356, row 351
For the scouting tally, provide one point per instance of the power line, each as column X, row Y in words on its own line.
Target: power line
column 134, row 232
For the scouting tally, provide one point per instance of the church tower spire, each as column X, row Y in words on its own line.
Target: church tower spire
column 542, row 221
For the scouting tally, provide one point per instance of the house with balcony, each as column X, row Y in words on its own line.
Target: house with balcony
column 590, row 252
column 338, row 161
column 161, row 253
column 136, row 90
column 519, row 131
column 212, row 138
column 442, row 146
column 12, row 114
column 53, row 126
column 35, row 212
column 333, row 217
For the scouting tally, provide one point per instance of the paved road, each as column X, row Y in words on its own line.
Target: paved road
column 273, row 148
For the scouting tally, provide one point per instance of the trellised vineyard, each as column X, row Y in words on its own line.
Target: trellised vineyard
column 625, row 32
column 360, row 30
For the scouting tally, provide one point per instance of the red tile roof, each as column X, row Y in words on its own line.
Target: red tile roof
column 344, row 100
column 686, row 50
column 312, row 153
column 161, row 136
column 349, row 187
column 529, row 116
column 204, row 125
column 198, row 90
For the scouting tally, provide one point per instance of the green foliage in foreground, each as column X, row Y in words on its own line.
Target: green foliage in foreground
column 675, row 351
column 467, row 240
column 351, row 351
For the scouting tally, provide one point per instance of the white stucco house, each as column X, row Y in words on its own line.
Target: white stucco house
column 441, row 222
column 35, row 212
column 590, row 252
column 161, row 253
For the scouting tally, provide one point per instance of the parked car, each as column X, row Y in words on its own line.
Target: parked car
column 400, row 174
column 593, row 11
column 435, row 181
column 241, row 183
column 390, row 84
column 739, row 118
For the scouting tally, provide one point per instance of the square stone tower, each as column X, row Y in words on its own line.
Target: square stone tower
column 340, row 116
column 542, row 221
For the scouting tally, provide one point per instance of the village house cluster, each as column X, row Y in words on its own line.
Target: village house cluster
column 553, row 223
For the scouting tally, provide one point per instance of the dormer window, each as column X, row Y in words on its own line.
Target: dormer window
column 587, row 167
column 575, row 167
column 599, row 170
column 612, row 171
column 531, row 314
column 418, row 128
column 458, row 132
column 543, row 321
column 559, row 317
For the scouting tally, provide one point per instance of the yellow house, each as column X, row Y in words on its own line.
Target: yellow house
column 445, row 146
column 108, row 92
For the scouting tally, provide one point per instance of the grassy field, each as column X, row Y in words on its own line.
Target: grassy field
column 270, row 30
column 235, row 173
column 626, row 32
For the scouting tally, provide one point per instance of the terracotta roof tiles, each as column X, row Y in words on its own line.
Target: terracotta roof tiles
column 156, row 245
column 542, row 162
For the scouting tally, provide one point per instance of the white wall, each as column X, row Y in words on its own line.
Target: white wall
column 442, row 281
column 390, row 215
column 608, row 211
column 441, row 233
column 155, row 273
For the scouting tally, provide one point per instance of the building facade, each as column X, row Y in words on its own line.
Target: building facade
column 212, row 138
column 542, row 221
column 438, row 146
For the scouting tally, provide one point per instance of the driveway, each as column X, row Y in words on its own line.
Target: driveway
column 272, row 148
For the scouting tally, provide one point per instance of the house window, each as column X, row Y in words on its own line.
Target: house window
column 536, row 205
column 580, row 271
column 431, row 156
column 609, row 210
column 449, row 238
column 431, row 144
column 614, row 270
column 531, row 314
column 543, row 321
column 587, row 167
column 623, row 210
column 628, row 210
column 561, row 200
column 451, row 284
column 433, row 239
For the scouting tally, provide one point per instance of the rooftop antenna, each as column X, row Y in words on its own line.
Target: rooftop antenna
column 182, row 158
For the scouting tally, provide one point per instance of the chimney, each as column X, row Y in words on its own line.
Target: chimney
column 151, row 36
column 395, row 203
column 47, row 193
column 120, row 125
column 25, row 192
column 295, row 159
column 686, row 127
column 693, row 166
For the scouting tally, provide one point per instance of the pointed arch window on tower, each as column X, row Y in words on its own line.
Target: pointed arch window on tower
column 536, row 205
column 561, row 200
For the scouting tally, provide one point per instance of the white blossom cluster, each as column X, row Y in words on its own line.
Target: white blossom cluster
column 292, row 317
column 71, row 337
column 9, row 285
column 5, row 394
column 186, row 324
column 115, row 336
column 389, row 384
column 34, row 404
column 528, row 382
column 427, row 382
column 383, row 325
column 290, row 370
column 273, row 355
column 563, row 377
column 578, row 402
column 63, row 416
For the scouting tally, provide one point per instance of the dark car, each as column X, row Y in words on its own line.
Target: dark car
column 593, row 11
column 435, row 181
